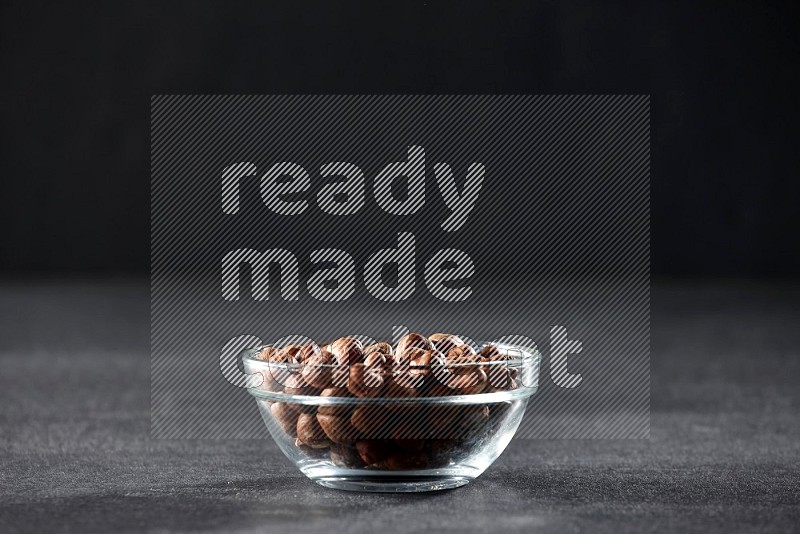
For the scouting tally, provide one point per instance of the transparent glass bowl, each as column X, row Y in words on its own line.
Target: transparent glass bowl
column 414, row 433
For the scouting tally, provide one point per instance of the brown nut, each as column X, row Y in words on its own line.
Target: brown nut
column 338, row 428
column 489, row 353
column 345, row 456
column 407, row 421
column 340, row 375
column 310, row 432
column 382, row 347
column 411, row 340
column 378, row 361
column 286, row 415
column 403, row 385
column 403, row 461
column 291, row 353
column 462, row 353
column 471, row 382
column 295, row 384
column 372, row 451
column 266, row 354
column 307, row 351
column 346, row 350
column 317, row 370
column 335, row 409
column 365, row 381
column 445, row 342
column 369, row 420
column 440, row 390
column 414, row 445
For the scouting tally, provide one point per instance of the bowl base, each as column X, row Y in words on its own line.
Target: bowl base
column 394, row 484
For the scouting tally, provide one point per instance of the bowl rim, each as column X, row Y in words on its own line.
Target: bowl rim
column 530, row 358
column 523, row 392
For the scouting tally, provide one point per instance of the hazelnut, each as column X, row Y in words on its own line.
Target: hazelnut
column 369, row 420
column 291, row 353
column 295, row 384
column 403, row 385
column 266, row 354
column 462, row 371
column 403, row 461
column 286, row 415
column 335, row 409
column 345, row 456
column 340, row 375
column 408, row 422
column 382, row 347
column 489, row 353
column 307, row 351
column 372, row 451
column 414, row 445
column 338, row 428
column 346, row 350
column 445, row 342
column 470, row 382
column 310, row 432
column 412, row 340
column 365, row 381
column 317, row 371
column 462, row 352
column 440, row 390
column 378, row 361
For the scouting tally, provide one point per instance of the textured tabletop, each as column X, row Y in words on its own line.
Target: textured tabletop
column 75, row 452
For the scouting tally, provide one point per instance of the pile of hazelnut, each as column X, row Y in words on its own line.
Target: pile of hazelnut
column 387, row 435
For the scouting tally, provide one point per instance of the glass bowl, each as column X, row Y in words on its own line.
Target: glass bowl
column 415, row 428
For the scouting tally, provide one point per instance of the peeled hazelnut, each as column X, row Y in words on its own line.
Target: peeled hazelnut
column 340, row 375
column 377, row 361
column 408, row 423
column 403, row 385
column 345, row 456
column 369, row 420
column 365, row 381
column 346, row 350
column 403, row 461
column 471, row 382
column 265, row 354
column 310, row 432
column 445, row 342
column 372, row 451
column 335, row 409
column 286, row 415
column 414, row 445
column 422, row 360
column 461, row 352
column 338, row 428
column 489, row 353
column 291, row 353
column 317, row 370
column 295, row 384
column 440, row 390
column 382, row 347
column 307, row 351
column 412, row 340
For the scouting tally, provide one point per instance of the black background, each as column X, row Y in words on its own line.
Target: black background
column 78, row 76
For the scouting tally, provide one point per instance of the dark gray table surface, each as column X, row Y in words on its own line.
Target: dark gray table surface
column 724, row 453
